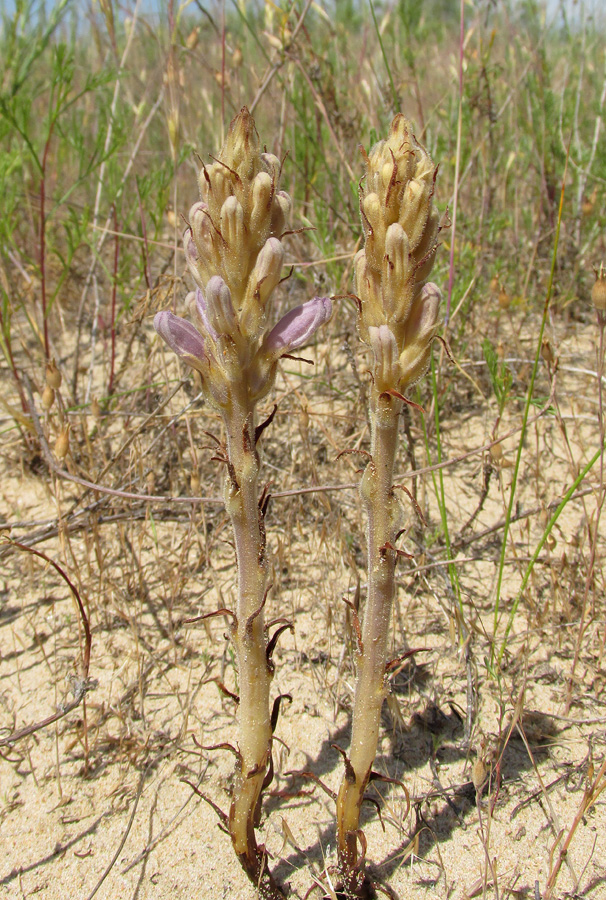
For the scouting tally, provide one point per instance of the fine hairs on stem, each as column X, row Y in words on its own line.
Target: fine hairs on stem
column 234, row 252
column 398, row 320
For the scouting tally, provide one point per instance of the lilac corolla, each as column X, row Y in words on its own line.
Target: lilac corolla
column 297, row 326
column 181, row 336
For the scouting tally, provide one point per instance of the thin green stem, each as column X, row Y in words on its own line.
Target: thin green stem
column 440, row 493
column 525, row 415
column 601, row 497
column 394, row 93
column 548, row 528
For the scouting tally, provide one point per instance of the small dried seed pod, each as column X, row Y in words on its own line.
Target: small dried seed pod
column 478, row 773
column 62, row 444
column 504, row 299
column 194, row 484
column 48, row 397
column 53, row 375
column 598, row 291
column 547, row 352
column 496, row 451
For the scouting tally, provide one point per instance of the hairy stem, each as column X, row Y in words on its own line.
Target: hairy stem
column 254, row 671
column 383, row 519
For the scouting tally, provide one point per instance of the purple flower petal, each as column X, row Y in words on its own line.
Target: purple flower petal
column 298, row 325
column 202, row 310
column 191, row 251
column 182, row 337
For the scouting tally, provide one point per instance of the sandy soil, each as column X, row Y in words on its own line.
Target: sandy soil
column 104, row 792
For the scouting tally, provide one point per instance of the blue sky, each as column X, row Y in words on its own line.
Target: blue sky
column 592, row 7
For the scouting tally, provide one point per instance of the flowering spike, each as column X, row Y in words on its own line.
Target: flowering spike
column 234, row 253
column 398, row 319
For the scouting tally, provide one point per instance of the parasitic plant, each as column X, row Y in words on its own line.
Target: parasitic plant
column 234, row 252
column 398, row 320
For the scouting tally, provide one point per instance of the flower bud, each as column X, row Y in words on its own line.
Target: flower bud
column 215, row 185
column 424, row 169
column 280, row 213
column 427, row 244
column 241, row 150
column 232, row 224
column 367, row 283
column 195, row 262
column 262, row 193
column 198, row 214
column 387, row 173
column 414, row 211
column 414, row 362
column 421, row 327
column 201, row 242
column 219, row 306
column 268, row 270
column 385, row 350
column 423, row 319
column 397, row 271
column 373, row 211
column 271, row 163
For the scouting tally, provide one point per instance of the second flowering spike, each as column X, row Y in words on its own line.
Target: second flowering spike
column 398, row 320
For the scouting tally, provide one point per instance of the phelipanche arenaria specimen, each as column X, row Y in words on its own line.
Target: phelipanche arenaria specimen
column 234, row 252
column 398, row 320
